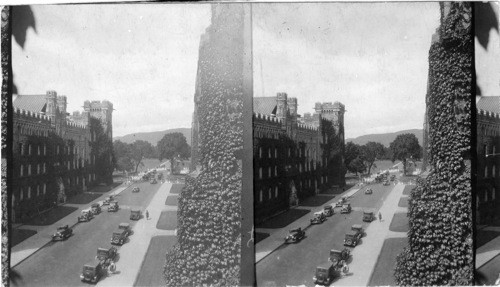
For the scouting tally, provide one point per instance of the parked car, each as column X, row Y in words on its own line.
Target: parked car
column 153, row 180
column 341, row 201
column 346, row 208
column 337, row 257
column 113, row 206
column 393, row 177
column 136, row 189
column 119, row 237
column 324, row 275
column 62, row 233
column 318, row 218
column 386, row 182
column 106, row 255
column 126, row 227
column 135, row 214
column 86, row 215
column 368, row 216
column 328, row 210
column 295, row 235
column 368, row 191
column 93, row 271
column 96, row 208
column 108, row 200
column 352, row 238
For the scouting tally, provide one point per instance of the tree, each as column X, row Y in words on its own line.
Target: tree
column 352, row 151
column 405, row 147
column 173, row 146
column 357, row 166
column 372, row 151
column 102, row 150
column 139, row 150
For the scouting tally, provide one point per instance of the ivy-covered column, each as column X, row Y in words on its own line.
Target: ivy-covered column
column 440, row 249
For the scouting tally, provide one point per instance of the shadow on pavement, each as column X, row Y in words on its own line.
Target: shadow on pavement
column 52, row 216
column 399, row 222
column 151, row 272
column 259, row 236
column 83, row 198
column 317, row 200
column 403, row 202
column 172, row 200
column 167, row 220
column 383, row 273
column 19, row 235
column 283, row 219
column 176, row 188
column 485, row 236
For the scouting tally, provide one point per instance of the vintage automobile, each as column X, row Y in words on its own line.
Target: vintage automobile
column 338, row 257
column 106, row 255
column 368, row 216
column 86, row 215
column 359, row 229
column 160, row 176
column 341, row 201
column 328, row 210
column 318, row 218
column 93, row 271
column 386, row 182
column 346, row 208
column 393, row 177
column 352, row 238
column 113, row 206
column 368, row 191
column 295, row 235
column 135, row 214
column 136, row 189
column 119, row 237
column 107, row 200
column 325, row 274
column 153, row 180
column 96, row 208
column 62, row 233
column 126, row 227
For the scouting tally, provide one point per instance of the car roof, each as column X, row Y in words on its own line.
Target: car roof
column 350, row 233
column 357, row 226
column 120, row 231
column 318, row 213
column 124, row 224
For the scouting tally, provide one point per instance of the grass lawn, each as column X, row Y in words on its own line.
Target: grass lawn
column 149, row 163
column 484, row 236
column 399, row 222
column 104, row 188
column 51, row 216
column 172, row 200
column 167, row 220
column 317, row 200
column 337, row 190
column 403, row 202
column 84, row 198
column 383, row 273
column 176, row 188
column 19, row 235
column 151, row 272
column 260, row 236
column 408, row 189
column 283, row 219
column 383, row 165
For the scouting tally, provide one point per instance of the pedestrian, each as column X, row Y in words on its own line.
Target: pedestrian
column 112, row 267
column 147, row 215
column 380, row 216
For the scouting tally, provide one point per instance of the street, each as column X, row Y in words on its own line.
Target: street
column 60, row 263
column 295, row 264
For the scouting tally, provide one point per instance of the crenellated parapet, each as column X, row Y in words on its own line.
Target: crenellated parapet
column 488, row 114
column 268, row 118
column 29, row 115
column 307, row 127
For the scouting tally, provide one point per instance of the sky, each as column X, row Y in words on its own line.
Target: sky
column 142, row 58
column 372, row 57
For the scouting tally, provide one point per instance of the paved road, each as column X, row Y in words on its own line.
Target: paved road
column 60, row 263
column 295, row 264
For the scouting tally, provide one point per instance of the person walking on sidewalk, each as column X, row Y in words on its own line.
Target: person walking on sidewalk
column 147, row 215
column 379, row 216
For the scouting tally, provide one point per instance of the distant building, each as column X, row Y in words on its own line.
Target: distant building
column 52, row 155
column 488, row 160
column 294, row 157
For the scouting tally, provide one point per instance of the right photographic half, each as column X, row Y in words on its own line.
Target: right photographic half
column 376, row 130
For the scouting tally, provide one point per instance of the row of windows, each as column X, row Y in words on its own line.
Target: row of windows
column 42, row 168
column 307, row 167
column 76, row 150
column 270, row 154
column 38, row 189
column 493, row 172
column 32, row 131
column 489, row 151
column 488, row 195
column 269, row 193
column 307, row 183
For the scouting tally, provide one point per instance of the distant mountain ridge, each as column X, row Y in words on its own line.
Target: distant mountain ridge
column 387, row 138
column 154, row 137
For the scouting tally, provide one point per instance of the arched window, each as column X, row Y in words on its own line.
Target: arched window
column 276, row 152
column 270, row 172
column 486, row 171
column 21, row 194
column 21, row 170
column 485, row 195
column 493, row 171
column 29, row 169
column 260, row 173
column 276, row 170
column 276, row 192
column 37, row 190
column 29, row 149
column 29, row 192
column 270, row 195
column 269, row 153
column 260, row 195
column 44, row 188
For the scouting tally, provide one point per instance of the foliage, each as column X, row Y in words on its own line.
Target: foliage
column 173, row 146
column 102, row 149
column 122, row 153
column 209, row 214
column 440, row 249
column 372, row 151
column 357, row 166
column 140, row 150
column 404, row 147
column 352, row 151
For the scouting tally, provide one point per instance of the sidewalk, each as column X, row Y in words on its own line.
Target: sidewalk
column 44, row 233
column 276, row 235
column 488, row 251
column 133, row 252
column 365, row 256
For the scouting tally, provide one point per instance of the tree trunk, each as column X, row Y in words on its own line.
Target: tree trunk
column 404, row 167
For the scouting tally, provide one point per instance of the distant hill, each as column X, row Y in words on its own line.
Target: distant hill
column 154, row 137
column 387, row 138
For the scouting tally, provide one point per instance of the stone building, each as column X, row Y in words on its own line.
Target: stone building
column 52, row 154
column 488, row 160
column 294, row 157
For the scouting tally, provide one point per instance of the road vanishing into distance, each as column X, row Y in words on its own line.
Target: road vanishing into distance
column 295, row 264
column 60, row 263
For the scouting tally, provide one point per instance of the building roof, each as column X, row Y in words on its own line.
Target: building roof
column 33, row 103
column 489, row 104
column 264, row 105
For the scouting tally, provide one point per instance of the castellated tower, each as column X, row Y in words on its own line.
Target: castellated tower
column 282, row 107
column 51, row 98
column 62, row 104
column 102, row 111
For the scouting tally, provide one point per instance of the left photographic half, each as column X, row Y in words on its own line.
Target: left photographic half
column 127, row 145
